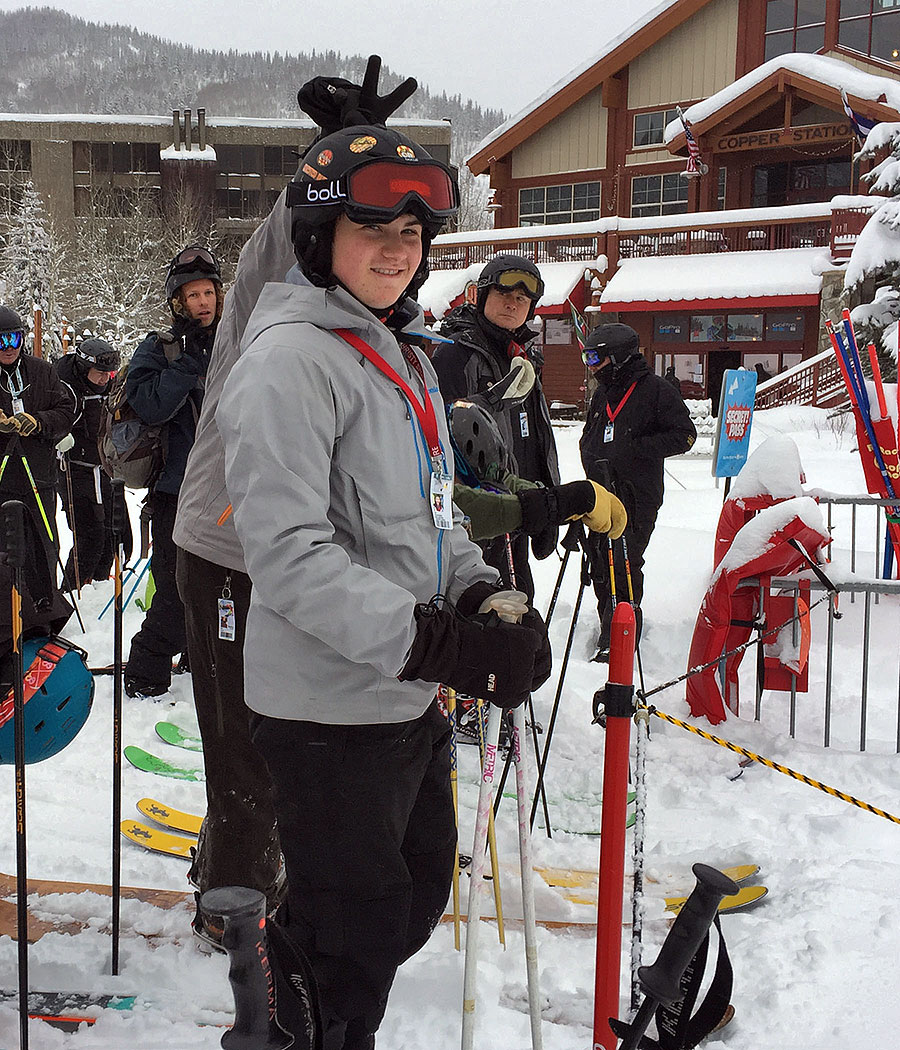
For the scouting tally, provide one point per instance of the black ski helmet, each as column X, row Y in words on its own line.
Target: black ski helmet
column 192, row 263
column 370, row 173
column 618, row 342
column 11, row 329
column 508, row 272
column 96, row 353
column 476, row 438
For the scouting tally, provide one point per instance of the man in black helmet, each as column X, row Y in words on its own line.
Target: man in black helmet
column 36, row 411
column 635, row 420
column 165, row 383
column 84, row 487
column 486, row 337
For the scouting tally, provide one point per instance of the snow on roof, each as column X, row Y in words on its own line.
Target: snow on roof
column 724, row 275
column 443, row 286
column 194, row 153
column 211, row 122
column 573, row 75
column 825, row 70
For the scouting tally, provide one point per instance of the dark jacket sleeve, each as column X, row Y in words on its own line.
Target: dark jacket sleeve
column 57, row 413
column 454, row 378
column 157, row 388
column 672, row 432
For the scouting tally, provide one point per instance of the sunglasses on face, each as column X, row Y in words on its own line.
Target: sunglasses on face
column 12, row 340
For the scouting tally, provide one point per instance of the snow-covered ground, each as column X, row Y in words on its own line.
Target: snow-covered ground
column 815, row 963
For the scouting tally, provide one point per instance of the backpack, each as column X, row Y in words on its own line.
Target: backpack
column 130, row 450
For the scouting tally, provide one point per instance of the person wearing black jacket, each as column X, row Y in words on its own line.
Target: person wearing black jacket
column 635, row 420
column 486, row 337
column 165, row 385
column 86, row 492
column 36, row 411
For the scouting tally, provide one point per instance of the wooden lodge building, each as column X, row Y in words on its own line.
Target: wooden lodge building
column 735, row 265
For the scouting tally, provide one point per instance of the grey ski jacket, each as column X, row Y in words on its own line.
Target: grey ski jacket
column 203, row 499
column 329, row 475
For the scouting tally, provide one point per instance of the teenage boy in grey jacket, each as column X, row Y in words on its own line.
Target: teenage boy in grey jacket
column 339, row 469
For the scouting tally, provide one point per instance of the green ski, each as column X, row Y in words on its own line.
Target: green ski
column 143, row 760
column 175, row 735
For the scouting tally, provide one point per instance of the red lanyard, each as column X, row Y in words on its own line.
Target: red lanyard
column 621, row 404
column 424, row 411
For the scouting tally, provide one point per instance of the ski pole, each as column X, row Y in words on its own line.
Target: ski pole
column 13, row 525
column 542, row 764
column 641, row 734
column 454, row 790
column 70, row 500
column 250, row 972
column 53, row 543
column 491, row 831
column 534, row 736
column 117, row 522
column 529, row 917
column 661, row 981
column 570, row 542
column 128, row 572
column 476, row 884
column 137, row 582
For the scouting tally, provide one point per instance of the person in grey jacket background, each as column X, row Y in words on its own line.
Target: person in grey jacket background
column 366, row 590
column 238, row 843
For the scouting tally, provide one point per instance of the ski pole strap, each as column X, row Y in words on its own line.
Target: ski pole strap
column 677, row 1027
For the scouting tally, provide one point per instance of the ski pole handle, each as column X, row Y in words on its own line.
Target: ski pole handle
column 119, row 512
column 661, row 980
column 12, row 530
column 250, row 973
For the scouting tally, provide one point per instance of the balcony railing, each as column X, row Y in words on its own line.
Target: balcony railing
column 457, row 256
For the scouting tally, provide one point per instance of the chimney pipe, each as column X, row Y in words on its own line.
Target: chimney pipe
column 176, row 129
column 201, row 129
column 187, row 130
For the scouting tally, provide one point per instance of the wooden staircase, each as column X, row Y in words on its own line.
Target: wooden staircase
column 816, row 381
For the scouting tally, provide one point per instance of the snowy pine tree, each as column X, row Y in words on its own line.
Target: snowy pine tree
column 874, row 268
column 33, row 259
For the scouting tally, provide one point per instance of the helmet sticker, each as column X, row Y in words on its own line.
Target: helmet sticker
column 313, row 174
column 363, row 144
column 404, row 151
column 324, row 158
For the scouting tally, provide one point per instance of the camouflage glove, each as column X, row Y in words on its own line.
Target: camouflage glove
column 8, row 424
column 27, row 424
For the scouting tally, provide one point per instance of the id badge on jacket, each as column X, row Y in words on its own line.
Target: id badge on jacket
column 442, row 500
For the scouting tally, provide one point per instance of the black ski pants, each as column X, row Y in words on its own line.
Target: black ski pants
column 637, row 537
column 162, row 633
column 89, row 515
column 368, row 833
column 239, row 842
column 41, row 548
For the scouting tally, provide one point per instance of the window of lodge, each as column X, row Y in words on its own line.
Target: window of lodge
column 659, row 195
column 576, row 202
column 794, row 25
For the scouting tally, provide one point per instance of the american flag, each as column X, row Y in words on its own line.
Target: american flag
column 581, row 328
column 695, row 166
column 861, row 125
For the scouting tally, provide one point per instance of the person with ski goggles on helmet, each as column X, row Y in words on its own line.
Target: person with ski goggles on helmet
column 486, row 337
column 37, row 410
column 367, row 591
column 635, row 420
column 164, row 386
column 86, row 491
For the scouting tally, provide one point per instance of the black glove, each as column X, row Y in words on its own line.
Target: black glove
column 555, row 506
column 335, row 103
column 543, row 544
column 480, row 655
